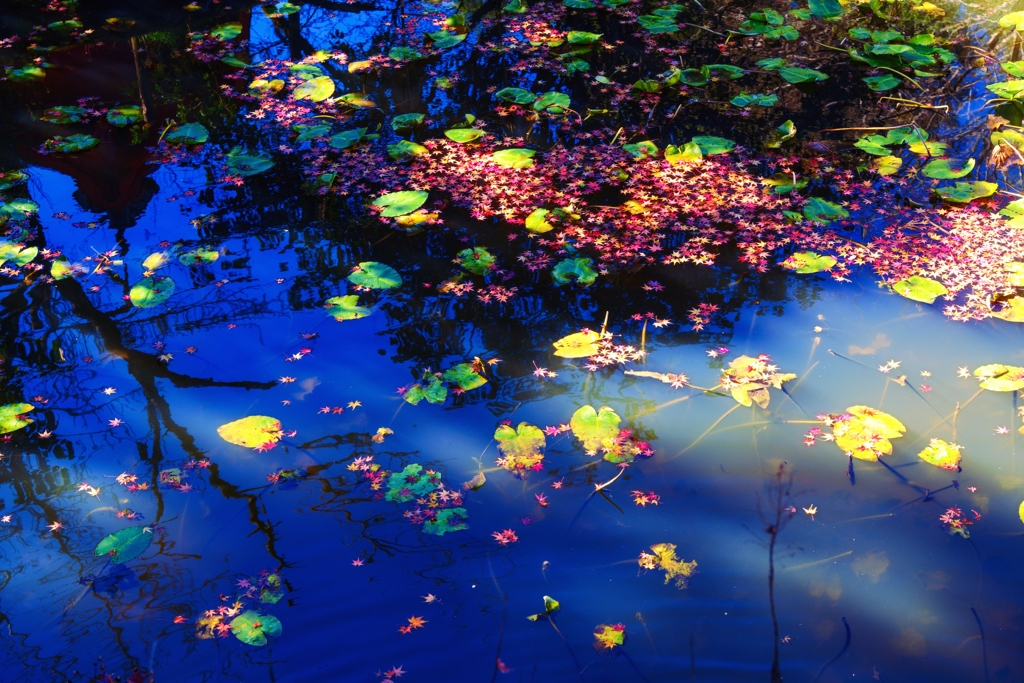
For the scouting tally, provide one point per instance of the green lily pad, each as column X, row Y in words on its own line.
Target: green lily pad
column 920, row 288
column 188, row 134
column 18, row 255
column 928, row 149
column 593, row 427
column 61, row 269
column 252, row 431
column 316, row 89
column 356, row 100
column 964, row 192
column 515, row 95
column 347, row 138
column 1012, row 310
column 445, row 39
column 999, row 377
column 124, row 116
column 578, row 345
column 882, row 83
column 808, row 262
column 513, row 158
column 521, row 447
column 448, row 519
column 434, row 391
column 126, row 544
column 64, row 114
column 246, row 165
column 374, row 275
column 745, row 100
column 825, row 9
column 156, row 260
column 12, row 417
column 865, row 434
column 711, row 145
column 550, row 607
column 552, row 103
column 887, row 165
column 574, row 270
column 582, row 37
column 690, row 152
column 941, row 454
column 406, row 122
column 644, row 148
column 464, row 135
column 252, row 628
column 151, row 291
column 198, row 256
column 405, row 54
column 406, row 148
column 477, row 260
column 947, row 169
column 823, row 211
column 25, row 74
column 797, row 74
column 72, row 143
column 18, row 209
column 537, row 222
column 346, row 307
column 401, row 203
column 9, row 179
column 464, row 376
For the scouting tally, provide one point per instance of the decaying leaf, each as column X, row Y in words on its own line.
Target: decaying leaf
column 664, row 558
column 748, row 379
column 550, row 607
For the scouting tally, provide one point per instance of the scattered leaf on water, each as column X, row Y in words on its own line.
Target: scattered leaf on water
column 864, row 432
column 12, row 416
column 521, row 448
column 609, row 636
column 401, row 203
column 748, row 379
column 151, row 291
column 808, row 262
column 578, row 345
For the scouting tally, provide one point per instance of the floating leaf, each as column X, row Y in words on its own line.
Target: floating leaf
column 823, row 211
column 444, row 39
column 657, row 24
column 882, row 83
column 157, row 260
column 516, row 95
column 864, row 432
column 887, row 165
column 262, row 86
column 748, row 379
column 521, row 447
column 375, row 275
column 18, row 209
column 578, row 345
column 252, row 628
column 406, row 122
column 252, row 431
column 798, row 74
column 874, row 144
column 690, row 152
column 26, row 74
column 448, row 519
column 947, row 169
column 745, row 100
column 711, row 145
column 513, row 158
column 347, row 138
column 825, row 9
column 779, row 136
column 552, row 102
column 405, row 148
column 12, row 417
column 64, row 114
column 188, row 134
column 920, row 289
column 72, row 143
column 464, row 376
column 964, row 192
column 226, row 32
column 550, row 607
column 582, row 37
column 346, row 307
column 1012, row 310
column 808, row 262
column 19, row 255
column 464, row 135
column 435, row 391
column 315, row 89
column 644, row 148
column 246, row 165
column 61, row 269
column 151, row 291
column 411, row 483
column 356, row 100
column 124, row 116
column 401, row 203
column 609, row 636
column 199, row 256
column 536, row 222
column 405, row 54
column 574, row 270
column 593, row 427
column 998, row 377
column 126, row 544
column 665, row 558
column 516, row 7
column 941, row 454
column 476, row 260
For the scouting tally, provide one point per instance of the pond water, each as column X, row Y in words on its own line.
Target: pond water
column 372, row 524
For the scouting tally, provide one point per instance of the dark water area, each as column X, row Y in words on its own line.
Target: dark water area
column 373, row 536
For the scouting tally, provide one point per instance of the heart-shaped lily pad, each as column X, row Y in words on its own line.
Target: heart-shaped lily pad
column 920, row 289
column 252, row 628
column 592, row 427
column 401, row 203
column 125, row 545
column 346, row 307
column 375, row 275
column 520, row 447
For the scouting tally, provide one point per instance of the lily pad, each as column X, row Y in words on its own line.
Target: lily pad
column 448, row 519
column 609, row 636
column 808, row 262
column 941, row 454
column 521, row 447
column 246, row 165
column 550, row 607
column 151, row 291
column 18, row 209
column 401, row 203
column 374, row 275
column 316, row 89
column 664, row 558
column 188, row 134
column 18, row 255
column 578, row 345
column 798, row 74
column 64, row 114
column 347, row 138
column 252, row 628
column 515, row 95
column 198, row 256
column 536, row 222
column 124, row 116
column 405, row 148
column 690, row 152
column 999, row 377
column 947, row 169
column 346, row 307
column 226, row 32
column 574, row 270
column 962, row 192
column 513, row 158
column 477, row 260
column 125, row 545
column 823, row 211
column 920, row 289
column 593, row 427
column 748, row 379
column 711, row 145
column 886, row 165
column 434, row 391
column 12, row 417
column 464, row 135
column 464, row 376
column 406, row 122
column 552, row 103
column 251, row 432
column 865, row 433
column 1012, row 310
column 405, row 54
column 72, row 143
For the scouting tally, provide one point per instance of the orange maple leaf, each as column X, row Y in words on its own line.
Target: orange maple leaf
column 416, row 622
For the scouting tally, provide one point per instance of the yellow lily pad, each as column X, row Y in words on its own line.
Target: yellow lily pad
column 578, row 345
column 252, row 431
column 999, row 377
column 941, row 454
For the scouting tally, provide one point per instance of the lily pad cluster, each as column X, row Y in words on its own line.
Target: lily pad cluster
column 864, row 432
column 748, row 379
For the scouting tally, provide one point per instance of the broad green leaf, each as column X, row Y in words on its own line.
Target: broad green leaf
column 1012, row 310
column 779, row 136
column 745, row 100
column 406, row 148
column 797, row 74
column 711, row 145
column 435, row 392
column 887, row 165
column 609, row 637
column 928, row 149
column 156, row 260
column 375, row 275
column 823, row 211
column 808, row 262
column 25, row 74
column 124, row 116
column 306, row 133
column 252, row 431
column 772, row 63
column 64, row 114
column 941, row 454
column 574, row 270
column 72, row 143
column 18, row 255
column 516, row 7
column 513, row 158
column 226, row 32
column 920, row 289
column 593, row 427
column 784, row 183
column 1008, row 90
column 252, row 628
column 644, row 148
column 246, row 165
column 12, row 417
column 657, row 24
column 198, row 256
column 690, row 152
column 346, row 307
column 1014, row 20
column 748, row 380
column 552, row 102
column 728, row 70
column 315, row 89
column 444, row 39
column 188, row 134
column 448, row 519
column 578, row 345
column 882, row 83
column 61, row 269
column 874, row 144
column 401, row 203
column 866, row 432
column 998, row 377
column 347, row 138
column 464, row 135
column 550, row 607
column 947, row 169
column 125, row 545
column 516, row 95
column 1015, row 69
column 406, row 122
column 579, row 4
column 9, row 179
column 261, row 86
column 464, row 376
column 964, row 192
column 825, row 9
column 356, row 100
column 477, row 260
column 582, row 37
column 537, row 222
column 19, row 208
column 151, row 291
column 405, row 54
